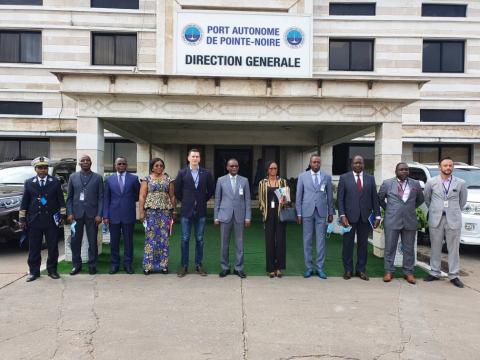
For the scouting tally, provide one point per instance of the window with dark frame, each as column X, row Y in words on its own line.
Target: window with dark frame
column 432, row 153
column 115, row 148
column 114, row 4
column 445, row 56
column 440, row 115
column 358, row 9
column 344, row 153
column 119, row 49
column 21, row 47
column 21, row 108
column 444, row 10
column 21, row 2
column 351, row 54
column 23, row 149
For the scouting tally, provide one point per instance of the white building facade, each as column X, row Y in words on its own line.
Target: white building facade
column 390, row 80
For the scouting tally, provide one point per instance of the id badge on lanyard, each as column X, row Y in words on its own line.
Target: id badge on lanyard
column 82, row 196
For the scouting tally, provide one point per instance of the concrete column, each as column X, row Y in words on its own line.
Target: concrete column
column 90, row 141
column 407, row 152
column 143, row 159
column 476, row 154
column 326, row 152
column 388, row 150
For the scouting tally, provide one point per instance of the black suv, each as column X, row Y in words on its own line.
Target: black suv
column 12, row 178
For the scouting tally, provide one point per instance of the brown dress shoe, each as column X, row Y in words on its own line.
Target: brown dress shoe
column 200, row 270
column 410, row 279
column 362, row 275
column 387, row 277
column 182, row 271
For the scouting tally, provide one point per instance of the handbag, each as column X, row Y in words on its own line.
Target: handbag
column 288, row 214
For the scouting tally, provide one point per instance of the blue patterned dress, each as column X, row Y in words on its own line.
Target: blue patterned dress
column 158, row 217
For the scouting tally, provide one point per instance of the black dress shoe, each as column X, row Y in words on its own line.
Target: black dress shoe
column 146, row 272
column 113, row 270
column 457, row 283
column 54, row 275
column 75, row 270
column 32, row 277
column 347, row 275
column 224, row 273
column 240, row 274
column 430, row 278
column 362, row 275
column 129, row 270
column 92, row 270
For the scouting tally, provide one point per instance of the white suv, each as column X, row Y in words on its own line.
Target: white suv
column 471, row 213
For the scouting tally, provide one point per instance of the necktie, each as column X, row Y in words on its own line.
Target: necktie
column 401, row 189
column 315, row 181
column 234, row 183
column 42, row 182
column 359, row 183
column 120, row 182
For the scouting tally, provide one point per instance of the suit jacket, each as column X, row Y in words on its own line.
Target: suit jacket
column 435, row 196
column 357, row 206
column 32, row 210
column 93, row 192
column 230, row 204
column 120, row 207
column 308, row 198
column 400, row 214
column 194, row 200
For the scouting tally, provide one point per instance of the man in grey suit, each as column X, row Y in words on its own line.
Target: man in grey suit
column 314, row 203
column 84, row 209
column 232, row 210
column 399, row 197
column 445, row 196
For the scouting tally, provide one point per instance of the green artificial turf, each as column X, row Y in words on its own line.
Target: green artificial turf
column 254, row 252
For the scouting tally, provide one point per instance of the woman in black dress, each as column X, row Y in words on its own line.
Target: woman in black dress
column 270, row 206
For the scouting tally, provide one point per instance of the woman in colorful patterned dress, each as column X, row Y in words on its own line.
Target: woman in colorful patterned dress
column 157, row 205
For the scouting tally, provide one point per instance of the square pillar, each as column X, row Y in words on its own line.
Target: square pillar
column 476, row 154
column 143, row 159
column 326, row 153
column 388, row 150
column 91, row 142
column 407, row 152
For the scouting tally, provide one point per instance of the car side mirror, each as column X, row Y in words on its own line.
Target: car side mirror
column 422, row 184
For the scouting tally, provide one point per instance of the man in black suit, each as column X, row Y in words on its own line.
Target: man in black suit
column 42, row 211
column 357, row 199
column 194, row 186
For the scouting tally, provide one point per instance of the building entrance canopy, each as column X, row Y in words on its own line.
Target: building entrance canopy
column 159, row 110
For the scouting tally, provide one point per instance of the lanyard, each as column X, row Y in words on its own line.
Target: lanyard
column 85, row 176
column 445, row 189
column 403, row 188
column 195, row 179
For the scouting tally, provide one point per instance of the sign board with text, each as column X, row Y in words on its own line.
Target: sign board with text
column 242, row 44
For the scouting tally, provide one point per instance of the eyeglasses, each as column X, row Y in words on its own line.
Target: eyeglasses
column 122, row 163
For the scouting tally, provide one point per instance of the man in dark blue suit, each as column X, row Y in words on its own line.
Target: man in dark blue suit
column 194, row 186
column 119, row 212
column 357, row 199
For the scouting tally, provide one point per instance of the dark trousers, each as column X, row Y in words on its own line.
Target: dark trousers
column 361, row 229
column 127, row 231
column 275, row 243
column 35, row 238
column 76, row 244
